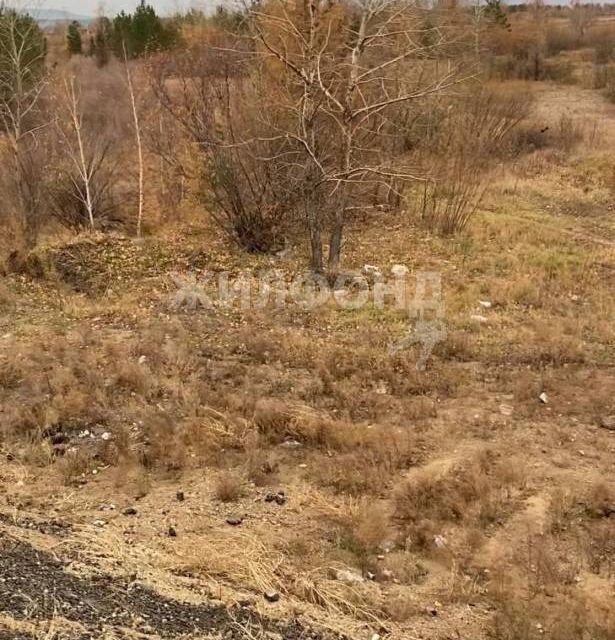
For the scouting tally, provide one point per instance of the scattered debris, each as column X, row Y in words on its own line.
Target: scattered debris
column 291, row 444
column 371, row 270
column 348, row 576
column 381, row 388
column 278, row 498
column 506, row 409
column 440, row 541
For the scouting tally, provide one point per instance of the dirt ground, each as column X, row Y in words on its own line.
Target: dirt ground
column 173, row 471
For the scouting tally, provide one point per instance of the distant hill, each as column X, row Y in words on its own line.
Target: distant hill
column 49, row 17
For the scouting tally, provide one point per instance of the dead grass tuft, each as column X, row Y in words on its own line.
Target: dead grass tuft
column 228, row 487
column 481, row 490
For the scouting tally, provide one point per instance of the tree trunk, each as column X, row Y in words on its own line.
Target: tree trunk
column 335, row 246
column 137, row 125
column 315, row 238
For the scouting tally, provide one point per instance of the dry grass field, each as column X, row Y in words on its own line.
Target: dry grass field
column 211, row 473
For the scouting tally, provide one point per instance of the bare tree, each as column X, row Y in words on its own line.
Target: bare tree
column 22, row 83
column 581, row 19
column 305, row 110
column 137, row 127
column 81, row 194
column 349, row 72
column 78, row 154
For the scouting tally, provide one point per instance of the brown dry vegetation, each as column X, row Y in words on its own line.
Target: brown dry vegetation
column 373, row 497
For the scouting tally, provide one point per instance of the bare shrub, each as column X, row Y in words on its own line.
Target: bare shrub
column 214, row 102
column 474, row 132
column 73, row 464
column 363, row 531
column 261, row 465
column 560, row 38
column 601, row 38
column 228, row 487
column 249, row 195
column 480, row 490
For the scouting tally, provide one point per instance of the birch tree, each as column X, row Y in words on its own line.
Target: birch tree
column 82, row 196
column 83, row 166
column 137, row 128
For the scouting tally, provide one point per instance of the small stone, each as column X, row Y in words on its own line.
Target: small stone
column 608, row 422
column 172, row 533
column 544, row 398
column 234, row 521
column 180, row 496
column 485, row 304
column 478, row 318
column 105, row 436
column 271, row 596
column 129, row 511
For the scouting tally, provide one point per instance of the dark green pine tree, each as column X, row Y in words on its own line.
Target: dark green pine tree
column 140, row 32
column 496, row 14
column 147, row 30
column 73, row 39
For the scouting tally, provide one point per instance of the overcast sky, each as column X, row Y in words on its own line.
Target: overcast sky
column 90, row 7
